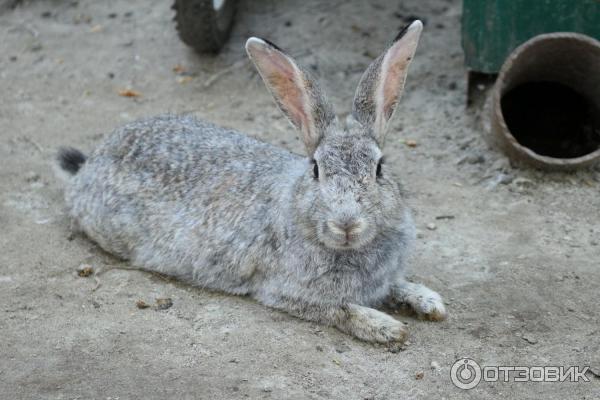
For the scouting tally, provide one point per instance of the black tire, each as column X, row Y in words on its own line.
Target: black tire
column 203, row 27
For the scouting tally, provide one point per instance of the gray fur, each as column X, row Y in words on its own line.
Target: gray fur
column 365, row 108
column 287, row 81
column 224, row 211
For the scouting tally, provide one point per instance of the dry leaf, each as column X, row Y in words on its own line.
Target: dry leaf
column 129, row 93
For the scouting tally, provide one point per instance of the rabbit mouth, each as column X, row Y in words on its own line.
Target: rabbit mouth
column 344, row 244
column 336, row 237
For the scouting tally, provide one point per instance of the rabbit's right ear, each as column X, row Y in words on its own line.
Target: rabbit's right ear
column 295, row 92
column 382, row 83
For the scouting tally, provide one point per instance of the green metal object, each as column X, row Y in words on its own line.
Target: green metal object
column 492, row 29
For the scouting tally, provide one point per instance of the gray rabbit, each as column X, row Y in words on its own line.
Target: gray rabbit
column 322, row 237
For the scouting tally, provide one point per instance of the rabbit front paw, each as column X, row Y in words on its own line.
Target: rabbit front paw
column 424, row 301
column 373, row 326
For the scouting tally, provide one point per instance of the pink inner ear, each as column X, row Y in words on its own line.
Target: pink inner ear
column 283, row 80
column 397, row 60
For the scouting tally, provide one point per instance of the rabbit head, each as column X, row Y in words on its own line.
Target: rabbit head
column 348, row 196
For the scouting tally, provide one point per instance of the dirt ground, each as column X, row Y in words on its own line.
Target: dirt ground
column 514, row 252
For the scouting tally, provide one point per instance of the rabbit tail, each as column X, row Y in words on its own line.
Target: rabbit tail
column 70, row 160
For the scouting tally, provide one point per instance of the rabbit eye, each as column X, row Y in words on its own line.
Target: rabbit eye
column 378, row 171
column 315, row 170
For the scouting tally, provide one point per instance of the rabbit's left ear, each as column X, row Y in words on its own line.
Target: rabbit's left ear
column 296, row 93
column 382, row 83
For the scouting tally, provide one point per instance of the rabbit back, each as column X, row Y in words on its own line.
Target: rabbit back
column 186, row 198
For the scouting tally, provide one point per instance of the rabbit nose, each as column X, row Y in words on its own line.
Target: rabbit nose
column 345, row 227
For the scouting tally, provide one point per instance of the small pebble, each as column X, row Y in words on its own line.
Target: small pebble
column 435, row 365
column 475, row 159
column 85, row 270
column 141, row 304
column 505, row 179
column 529, row 339
column 32, row 176
column 431, row 226
column 342, row 348
column 163, row 304
column 419, row 375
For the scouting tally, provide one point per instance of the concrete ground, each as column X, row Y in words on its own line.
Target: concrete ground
column 514, row 252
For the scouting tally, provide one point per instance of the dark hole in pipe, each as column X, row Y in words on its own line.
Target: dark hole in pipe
column 551, row 119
